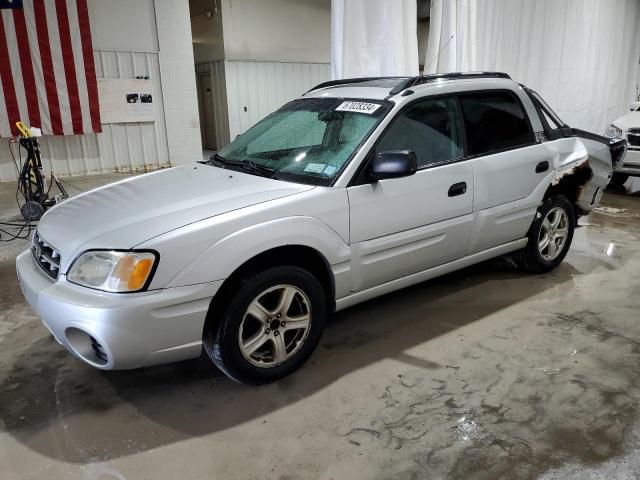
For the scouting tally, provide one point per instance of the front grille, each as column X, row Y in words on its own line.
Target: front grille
column 46, row 256
column 633, row 137
column 98, row 350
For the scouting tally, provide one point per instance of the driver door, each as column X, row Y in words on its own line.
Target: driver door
column 406, row 225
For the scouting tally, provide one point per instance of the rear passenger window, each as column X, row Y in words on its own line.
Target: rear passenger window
column 494, row 121
column 431, row 128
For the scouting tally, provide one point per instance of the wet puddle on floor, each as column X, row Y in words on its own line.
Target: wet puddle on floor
column 618, row 212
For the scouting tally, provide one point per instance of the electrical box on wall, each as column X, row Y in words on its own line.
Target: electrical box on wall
column 126, row 100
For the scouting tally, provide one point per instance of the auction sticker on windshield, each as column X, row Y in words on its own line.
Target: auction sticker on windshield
column 314, row 167
column 359, row 107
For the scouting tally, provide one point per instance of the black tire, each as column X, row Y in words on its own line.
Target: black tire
column 530, row 258
column 221, row 339
column 619, row 179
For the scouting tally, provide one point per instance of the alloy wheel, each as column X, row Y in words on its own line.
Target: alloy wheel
column 553, row 234
column 275, row 325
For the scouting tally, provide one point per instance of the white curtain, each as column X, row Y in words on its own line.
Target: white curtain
column 580, row 55
column 450, row 34
column 373, row 38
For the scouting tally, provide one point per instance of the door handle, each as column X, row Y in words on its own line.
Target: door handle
column 457, row 189
column 542, row 166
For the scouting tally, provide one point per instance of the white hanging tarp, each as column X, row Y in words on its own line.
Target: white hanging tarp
column 373, row 38
column 580, row 55
column 450, row 26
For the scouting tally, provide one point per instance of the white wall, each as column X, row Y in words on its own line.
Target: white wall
column 178, row 81
column 123, row 25
column 130, row 147
column 216, row 70
column 277, row 30
column 262, row 87
column 258, row 87
column 127, row 44
column 273, row 50
column 125, row 147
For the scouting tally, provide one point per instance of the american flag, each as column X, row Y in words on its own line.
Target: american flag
column 47, row 74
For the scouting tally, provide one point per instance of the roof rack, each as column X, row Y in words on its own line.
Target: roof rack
column 420, row 79
column 406, row 82
column 349, row 81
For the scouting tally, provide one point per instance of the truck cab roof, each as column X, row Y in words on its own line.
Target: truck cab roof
column 383, row 88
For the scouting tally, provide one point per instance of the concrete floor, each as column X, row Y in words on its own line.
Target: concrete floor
column 483, row 374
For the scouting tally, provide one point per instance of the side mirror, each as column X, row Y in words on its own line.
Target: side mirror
column 394, row 164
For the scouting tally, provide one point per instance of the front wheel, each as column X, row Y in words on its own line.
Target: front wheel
column 550, row 236
column 270, row 327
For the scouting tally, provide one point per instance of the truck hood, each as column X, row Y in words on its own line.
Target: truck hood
column 124, row 214
column 630, row 120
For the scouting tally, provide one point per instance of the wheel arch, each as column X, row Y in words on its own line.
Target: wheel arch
column 302, row 256
column 571, row 183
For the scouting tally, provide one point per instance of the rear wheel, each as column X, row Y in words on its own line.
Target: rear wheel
column 270, row 327
column 550, row 236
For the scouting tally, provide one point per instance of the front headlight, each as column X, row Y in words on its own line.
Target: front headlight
column 613, row 132
column 113, row 271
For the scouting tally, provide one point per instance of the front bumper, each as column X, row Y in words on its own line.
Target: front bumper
column 130, row 330
column 631, row 162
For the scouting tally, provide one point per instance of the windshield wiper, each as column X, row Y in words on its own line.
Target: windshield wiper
column 258, row 168
column 246, row 165
column 216, row 158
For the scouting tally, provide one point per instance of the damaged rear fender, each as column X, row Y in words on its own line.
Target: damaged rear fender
column 582, row 171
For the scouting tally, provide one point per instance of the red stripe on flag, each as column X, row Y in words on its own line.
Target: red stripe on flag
column 47, row 66
column 89, row 67
column 28, row 77
column 69, row 66
column 8, row 87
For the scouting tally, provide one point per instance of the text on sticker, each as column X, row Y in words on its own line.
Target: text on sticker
column 360, row 107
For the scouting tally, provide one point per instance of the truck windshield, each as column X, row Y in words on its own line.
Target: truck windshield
column 306, row 141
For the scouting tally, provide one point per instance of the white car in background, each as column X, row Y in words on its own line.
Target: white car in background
column 627, row 127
